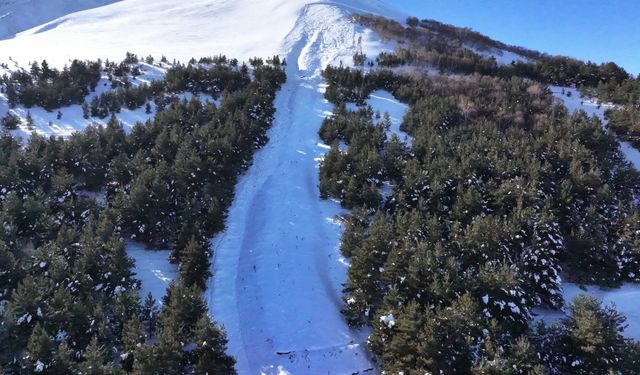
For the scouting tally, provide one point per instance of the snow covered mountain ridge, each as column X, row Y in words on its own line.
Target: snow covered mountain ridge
column 108, row 29
column 20, row 15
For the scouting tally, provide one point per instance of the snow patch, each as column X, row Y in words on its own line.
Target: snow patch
column 502, row 57
column 178, row 29
column 389, row 320
column 153, row 269
column 273, row 370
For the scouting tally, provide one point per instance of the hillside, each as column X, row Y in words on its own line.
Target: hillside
column 340, row 188
column 20, row 15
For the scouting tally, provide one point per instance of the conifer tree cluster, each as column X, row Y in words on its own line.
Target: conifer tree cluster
column 625, row 122
column 69, row 302
column 51, row 88
column 459, row 50
column 500, row 192
column 451, row 49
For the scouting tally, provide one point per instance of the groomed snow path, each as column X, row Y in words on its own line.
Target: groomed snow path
column 278, row 273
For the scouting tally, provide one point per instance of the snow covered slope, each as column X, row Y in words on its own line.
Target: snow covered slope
column 278, row 271
column 177, row 29
column 152, row 269
column 20, row 15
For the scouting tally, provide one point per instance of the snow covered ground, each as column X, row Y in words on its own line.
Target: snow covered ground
column 177, row 29
column 47, row 123
column 626, row 298
column 61, row 30
column 20, row 15
column 278, row 271
column 502, row 57
column 152, row 269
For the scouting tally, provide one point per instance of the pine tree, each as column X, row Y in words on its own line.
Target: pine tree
column 132, row 334
column 12, row 95
column 149, row 315
column 167, row 351
column 63, row 362
column 29, row 120
column 40, row 350
column 593, row 334
column 195, row 264
column 46, row 72
column 86, row 112
column 10, row 121
column 212, row 344
column 95, row 360
column 183, row 306
column 523, row 359
column 541, row 264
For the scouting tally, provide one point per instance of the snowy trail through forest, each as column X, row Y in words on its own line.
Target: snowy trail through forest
column 278, row 271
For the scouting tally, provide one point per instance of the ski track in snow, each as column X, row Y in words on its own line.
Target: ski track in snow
column 278, row 277
column 278, row 271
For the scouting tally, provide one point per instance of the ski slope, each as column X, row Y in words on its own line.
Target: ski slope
column 278, row 271
column 20, row 15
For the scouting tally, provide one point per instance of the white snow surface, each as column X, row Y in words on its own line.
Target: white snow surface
column 153, row 269
column 626, row 300
column 47, row 124
column 278, row 271
column 502, row 57
column 177, row 29
column 20, row 15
